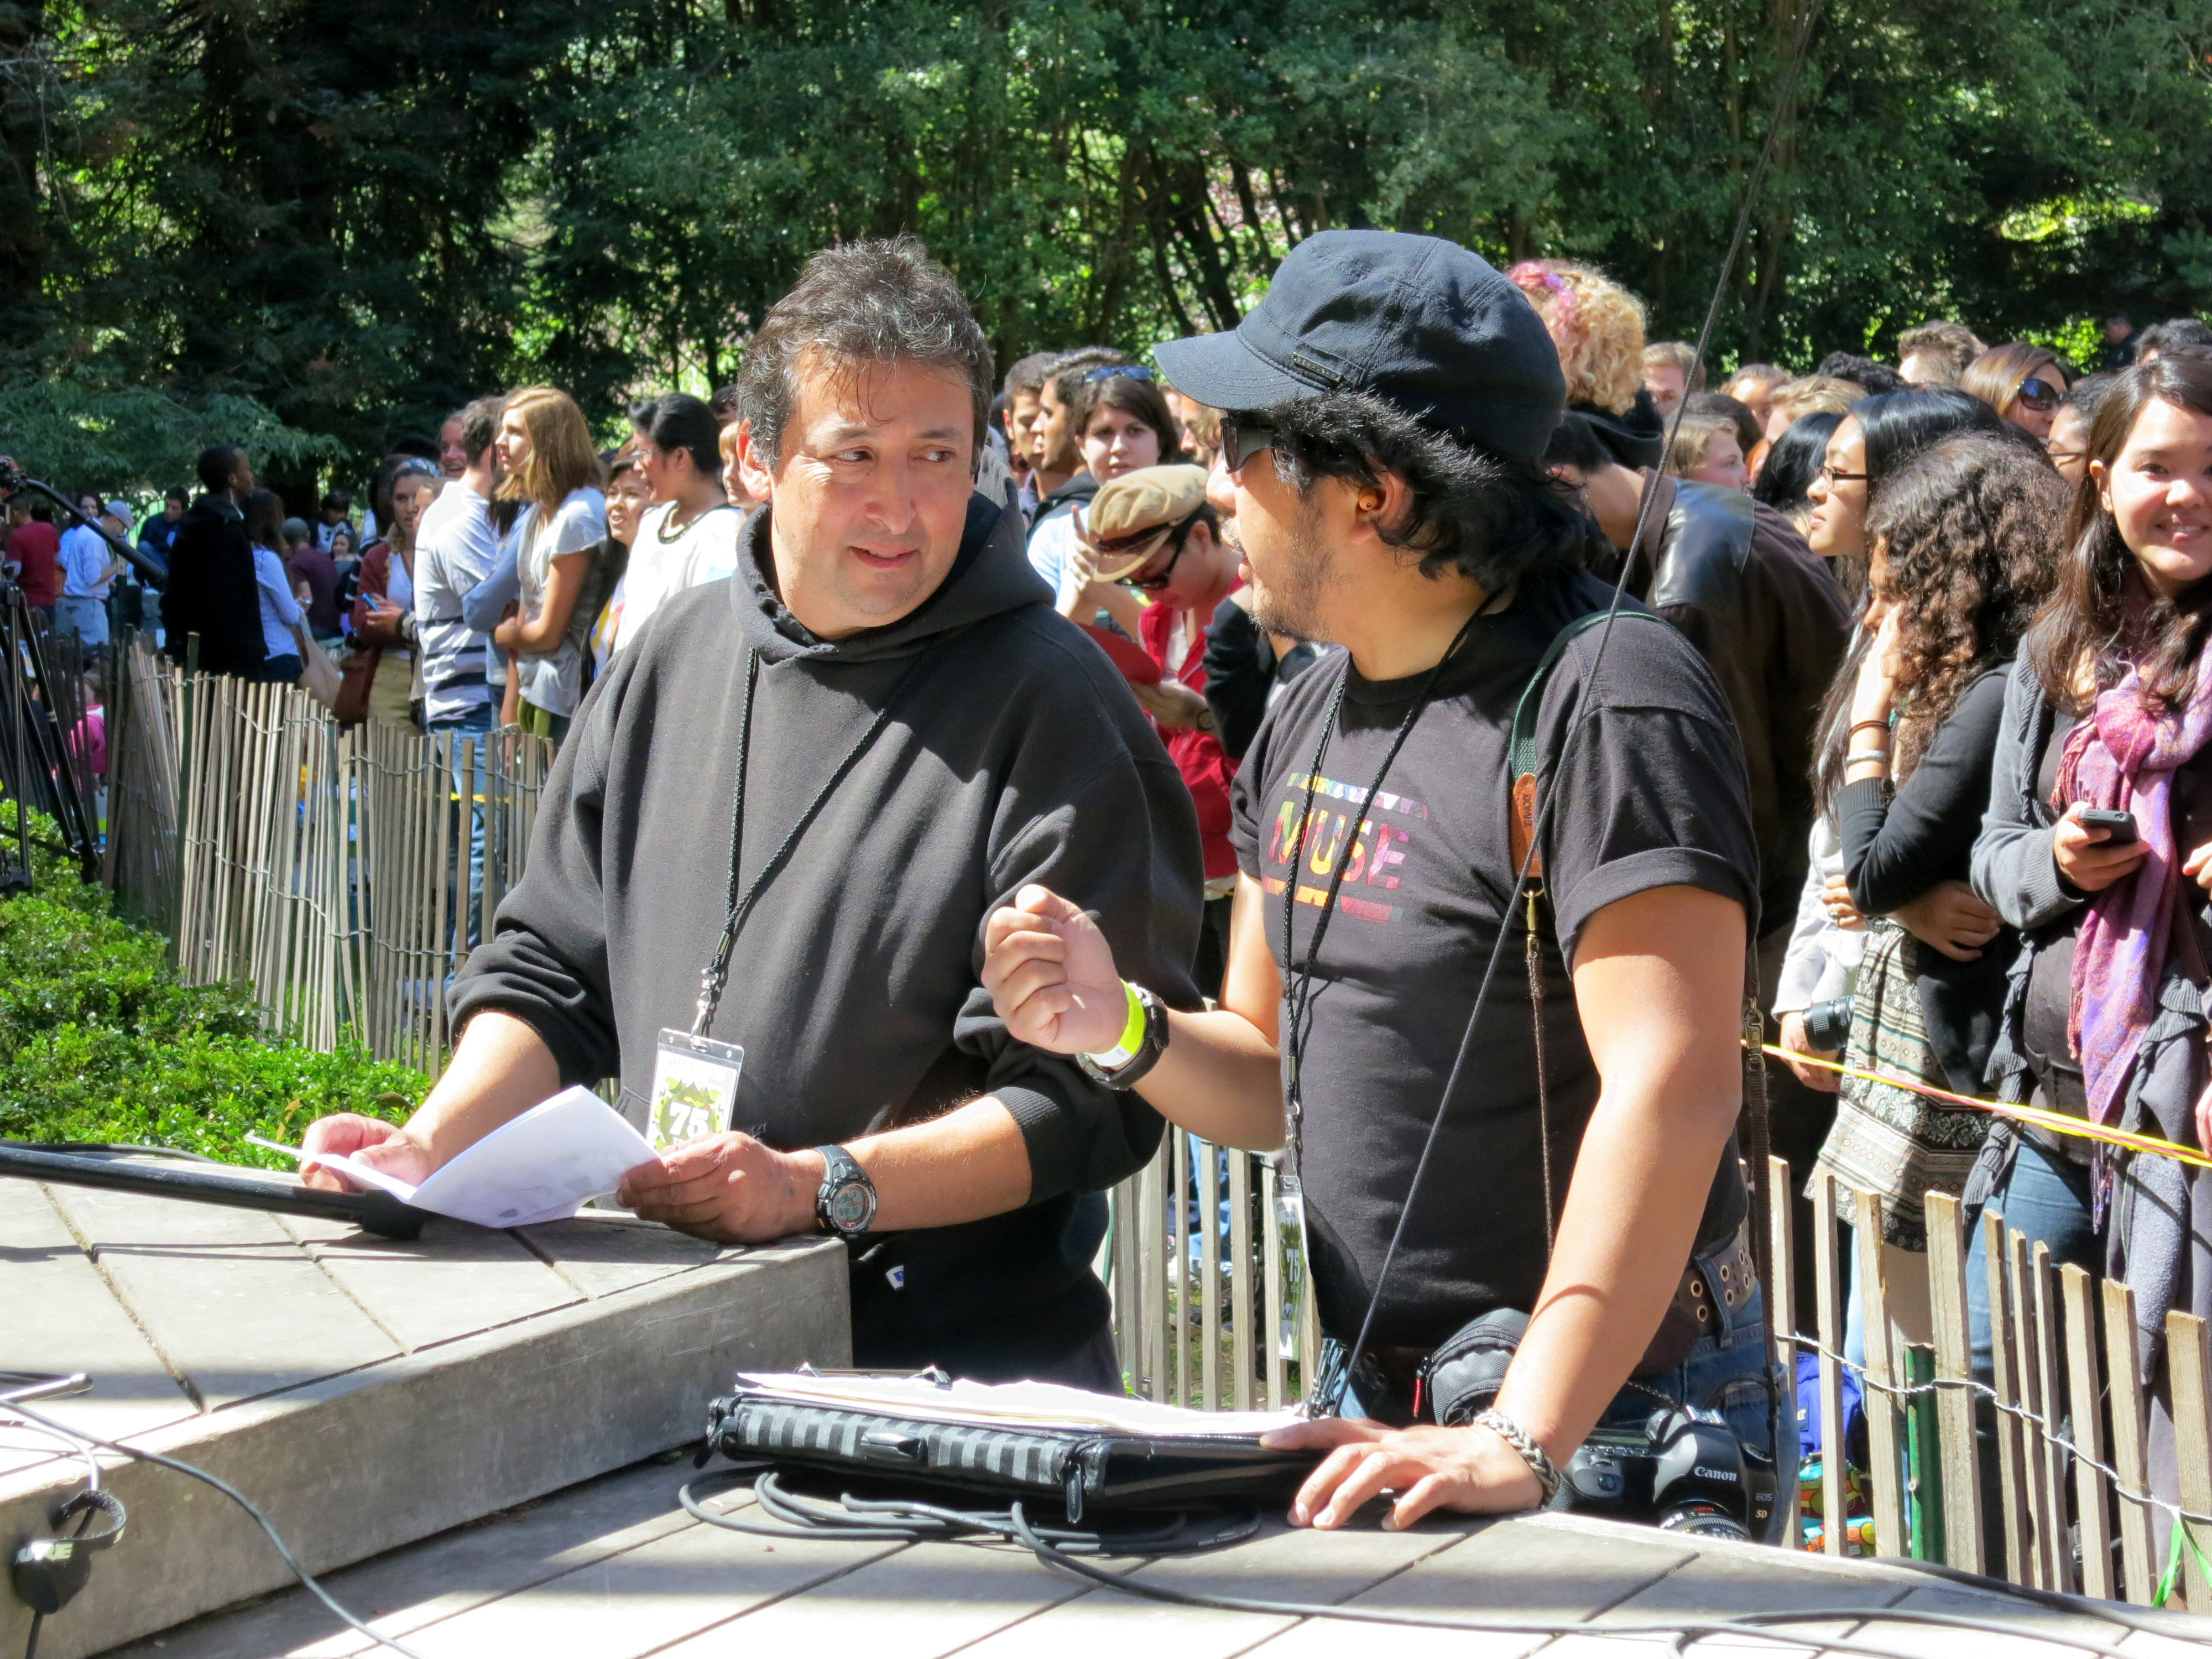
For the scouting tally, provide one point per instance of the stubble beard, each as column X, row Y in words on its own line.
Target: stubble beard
column 1292, row 606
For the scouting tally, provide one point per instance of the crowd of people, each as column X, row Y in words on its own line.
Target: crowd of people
column 1176, row 739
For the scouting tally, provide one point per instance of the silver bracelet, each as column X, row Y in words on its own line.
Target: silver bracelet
column 1538, row 1460
column 1880, row 756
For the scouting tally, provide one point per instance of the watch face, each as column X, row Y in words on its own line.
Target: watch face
column 852, row 1208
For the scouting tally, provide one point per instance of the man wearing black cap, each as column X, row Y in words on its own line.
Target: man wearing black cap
column 1385, row 414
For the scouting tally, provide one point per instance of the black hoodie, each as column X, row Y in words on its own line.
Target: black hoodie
column 1017, row 754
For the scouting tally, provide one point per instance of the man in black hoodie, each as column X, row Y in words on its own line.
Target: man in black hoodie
column 825, row 772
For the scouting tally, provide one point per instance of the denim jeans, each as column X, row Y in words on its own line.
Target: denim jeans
column 2045, row 1196
column 477, row 724
column 86, row 618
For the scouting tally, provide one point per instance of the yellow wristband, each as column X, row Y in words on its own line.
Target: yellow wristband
column 1132, row 1034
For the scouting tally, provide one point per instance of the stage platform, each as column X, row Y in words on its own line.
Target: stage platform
column 612, row 1568
column 367, row 1393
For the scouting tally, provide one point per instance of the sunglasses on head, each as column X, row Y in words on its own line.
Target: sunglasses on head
column 1118, row 372
column 2040, row 394
column 1242, row 440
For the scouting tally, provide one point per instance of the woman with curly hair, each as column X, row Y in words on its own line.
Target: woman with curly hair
column 1957, row 564
column 1597, row 327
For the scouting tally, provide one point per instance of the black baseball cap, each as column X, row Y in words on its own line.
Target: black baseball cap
column 1420, row 323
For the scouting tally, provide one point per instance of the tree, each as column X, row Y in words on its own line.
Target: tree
column 358, row 213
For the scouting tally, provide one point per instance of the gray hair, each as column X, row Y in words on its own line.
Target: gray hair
column 863, row 302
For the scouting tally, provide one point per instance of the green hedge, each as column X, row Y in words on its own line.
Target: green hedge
column 99, row 1041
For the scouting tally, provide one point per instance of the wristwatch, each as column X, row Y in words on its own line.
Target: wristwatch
column 1143, row 1040
column 845, row 1205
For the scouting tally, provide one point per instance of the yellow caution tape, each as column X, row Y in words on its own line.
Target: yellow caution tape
column 2056, row 1122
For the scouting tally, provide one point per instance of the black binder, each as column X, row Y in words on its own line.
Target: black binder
column 1084, row 1468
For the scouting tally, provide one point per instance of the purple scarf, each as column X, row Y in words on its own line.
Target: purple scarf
column 2124, row 755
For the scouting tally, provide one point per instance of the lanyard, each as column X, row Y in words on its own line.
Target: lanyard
column 738, row 904
column 1299, row 991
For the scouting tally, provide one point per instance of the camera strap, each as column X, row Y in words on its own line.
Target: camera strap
column 1523, row 766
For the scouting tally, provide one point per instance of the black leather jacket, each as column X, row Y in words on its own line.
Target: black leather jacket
column 1765, row 614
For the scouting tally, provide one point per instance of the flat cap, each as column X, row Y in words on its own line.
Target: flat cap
column 1132, row 516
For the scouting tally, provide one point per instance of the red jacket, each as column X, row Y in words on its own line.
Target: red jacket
column 1197, row 755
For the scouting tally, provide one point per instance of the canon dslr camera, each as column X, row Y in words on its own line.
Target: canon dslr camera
column 1676, row 1471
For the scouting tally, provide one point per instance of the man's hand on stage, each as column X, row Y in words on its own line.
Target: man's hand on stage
column 728, row 1188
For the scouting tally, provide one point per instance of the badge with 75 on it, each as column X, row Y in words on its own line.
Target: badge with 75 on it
column 694, row 1086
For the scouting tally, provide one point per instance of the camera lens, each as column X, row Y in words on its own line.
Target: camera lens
column 1703, row 1519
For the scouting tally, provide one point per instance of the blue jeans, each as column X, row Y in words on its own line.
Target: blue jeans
column 477, row 724
column 1723, row 1374
column 2045, row 1196
column 86, row 618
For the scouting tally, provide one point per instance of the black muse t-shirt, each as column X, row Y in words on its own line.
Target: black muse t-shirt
column 1652, row 795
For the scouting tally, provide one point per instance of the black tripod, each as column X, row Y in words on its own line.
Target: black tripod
column 36, row 767
column 39, row 712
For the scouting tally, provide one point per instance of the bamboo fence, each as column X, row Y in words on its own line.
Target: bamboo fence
column 330, row 868
column 1208, row 1314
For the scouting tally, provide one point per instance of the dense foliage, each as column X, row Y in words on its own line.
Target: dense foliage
column 354, row 211
column 99, row 1042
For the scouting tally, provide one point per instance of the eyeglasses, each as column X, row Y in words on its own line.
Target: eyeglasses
column 2040, row 394
column 1118, row 372
column 1831, row 476
column 1242, row 440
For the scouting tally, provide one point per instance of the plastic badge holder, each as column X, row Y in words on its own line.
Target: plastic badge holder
column 695, row 1088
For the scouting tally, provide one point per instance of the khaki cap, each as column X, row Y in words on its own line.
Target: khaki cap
column 1131, row 517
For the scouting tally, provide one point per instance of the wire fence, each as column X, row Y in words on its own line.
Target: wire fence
column 343, row 872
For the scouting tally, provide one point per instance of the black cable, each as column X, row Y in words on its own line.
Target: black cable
column 235, row 1497
column 910, row 1521
column 1685, row 1630
column 134, row 1148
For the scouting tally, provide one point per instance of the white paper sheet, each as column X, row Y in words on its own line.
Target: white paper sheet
column 541, row 1166
column 1036, row 1405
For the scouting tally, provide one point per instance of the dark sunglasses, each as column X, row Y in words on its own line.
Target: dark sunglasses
column 1118, row 372
column 2040, row 394
column 1180, row 532
column 1243, row 440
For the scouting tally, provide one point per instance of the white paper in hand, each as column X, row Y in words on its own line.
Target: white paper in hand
column 540, row 1167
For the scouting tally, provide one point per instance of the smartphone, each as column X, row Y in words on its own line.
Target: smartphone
column 2122, row 825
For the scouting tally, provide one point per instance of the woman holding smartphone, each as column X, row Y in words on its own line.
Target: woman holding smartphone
column 2110, row 711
